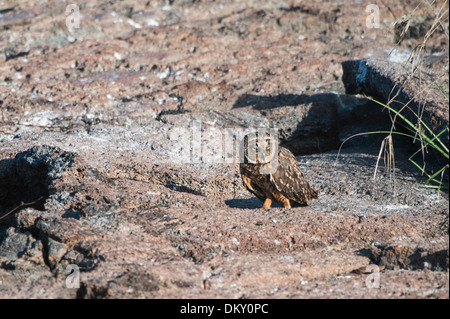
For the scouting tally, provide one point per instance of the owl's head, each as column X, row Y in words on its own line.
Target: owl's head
column 259, row 147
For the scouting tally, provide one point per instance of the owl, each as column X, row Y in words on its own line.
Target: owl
column 271, row 172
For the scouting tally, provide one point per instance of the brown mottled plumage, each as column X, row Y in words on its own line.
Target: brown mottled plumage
column 276, row 179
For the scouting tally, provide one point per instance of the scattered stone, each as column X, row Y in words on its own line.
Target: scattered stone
column 15, row 244
column 55, row 251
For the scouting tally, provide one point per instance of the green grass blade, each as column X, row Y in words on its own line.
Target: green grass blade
column 414, row 128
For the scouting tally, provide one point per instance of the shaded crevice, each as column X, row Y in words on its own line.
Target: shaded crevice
column 178, row 182
column 21, row 187
column 25, row 181
column 310, row 124
column 183, row 189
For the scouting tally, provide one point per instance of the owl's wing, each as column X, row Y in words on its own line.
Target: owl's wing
column 289, row 180
column 251, row 187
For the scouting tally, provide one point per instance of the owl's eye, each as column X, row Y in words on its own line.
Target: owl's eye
column 253, row 148
column 268, row 148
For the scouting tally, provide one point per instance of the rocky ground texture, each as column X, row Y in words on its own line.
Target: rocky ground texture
column 99, row 125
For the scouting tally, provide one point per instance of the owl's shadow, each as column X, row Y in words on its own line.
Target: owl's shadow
column 247, row 203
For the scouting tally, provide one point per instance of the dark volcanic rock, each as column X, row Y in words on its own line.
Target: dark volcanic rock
column 418, row 96
column 388, row 81
column 15, row 244
column 28, row 180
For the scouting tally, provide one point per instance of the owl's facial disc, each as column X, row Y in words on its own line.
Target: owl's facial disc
column 251, row 150
column 259, row 150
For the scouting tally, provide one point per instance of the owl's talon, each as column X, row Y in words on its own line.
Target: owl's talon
column 267, row 203
column 287, row 203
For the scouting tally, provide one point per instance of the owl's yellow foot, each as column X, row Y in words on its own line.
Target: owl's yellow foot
column 267, row 203
column 287, row 203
